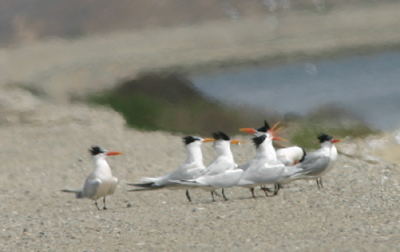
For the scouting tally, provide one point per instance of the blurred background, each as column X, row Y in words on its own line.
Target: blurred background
column 196, row 66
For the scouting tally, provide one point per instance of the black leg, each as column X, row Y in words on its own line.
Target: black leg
column 277, row 188
column 223, row 194
column 95, row 202
column 319, row 183
column 104, row 202
column 265, row 189
column 212, row 195
column 252, row 192
column 188, row 196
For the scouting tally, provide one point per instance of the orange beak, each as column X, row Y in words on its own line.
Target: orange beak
column 275, row 125
column 208, row 140
column 113, row 153
column 234, row 141
column 276, row 132
column 248, row 130
column 279, row 139
column 335, row 140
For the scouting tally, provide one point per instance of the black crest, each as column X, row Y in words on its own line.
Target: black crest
column 220, row 136
column 97, row 150
column 324, row 137
column 189, row 139
column 264, row 128
column 304, row 155
column 259, row 140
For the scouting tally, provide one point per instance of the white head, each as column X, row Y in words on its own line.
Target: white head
column 99, row 153
column 223, row 142
column 265, row 129
column 263, row 139
column 326, row 140
column 195, row 141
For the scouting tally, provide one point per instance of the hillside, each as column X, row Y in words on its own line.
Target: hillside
column 25, row 20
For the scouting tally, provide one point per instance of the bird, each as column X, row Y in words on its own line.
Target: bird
column 319, row 162
column 263, row 130
column 265, row 168
column 191, row 168
column 221, row 172
column 289, row 155
column 100, row 181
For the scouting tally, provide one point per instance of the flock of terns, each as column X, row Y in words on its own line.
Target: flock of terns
column 268, row 167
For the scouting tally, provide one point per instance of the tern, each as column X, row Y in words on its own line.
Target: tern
column 100, row 182
column 191, row 168
column 265, row 168
column 318, row 162
column 221, row 172
column 264, row 130
column 289, row 155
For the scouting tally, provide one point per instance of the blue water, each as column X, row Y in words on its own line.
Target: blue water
column 367, row 85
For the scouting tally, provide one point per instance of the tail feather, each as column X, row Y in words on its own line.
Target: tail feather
column 144, row 189
column 145, row 186
column 78, row 192
column 186, row 182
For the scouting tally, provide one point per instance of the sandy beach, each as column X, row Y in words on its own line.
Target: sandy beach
column 44, row 152
column 45, row 140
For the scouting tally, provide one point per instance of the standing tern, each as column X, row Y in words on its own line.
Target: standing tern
column 265, row 168
column 289, row 155
column 318, row 162
column 221, row 172
column 100, row 182
column 264, row 130
column 191, row 168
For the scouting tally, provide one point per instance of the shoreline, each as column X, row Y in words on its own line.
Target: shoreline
column 62, row 68
column 279, row 60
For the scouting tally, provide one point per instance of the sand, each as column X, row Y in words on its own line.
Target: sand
column 45, row 149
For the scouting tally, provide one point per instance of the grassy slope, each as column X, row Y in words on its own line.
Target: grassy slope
column 169, row 102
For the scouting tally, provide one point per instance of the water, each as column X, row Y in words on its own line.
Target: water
column 367, row 85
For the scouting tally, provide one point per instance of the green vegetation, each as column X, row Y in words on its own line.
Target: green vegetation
column 169, row 102
column 139, row 111
column 330, row 119
column 306, row 133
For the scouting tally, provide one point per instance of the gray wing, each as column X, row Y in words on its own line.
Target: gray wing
column 264, row 174
column 246, row 165
column 186, row 171
column 313, row 165
column 219, row 165
column 113, row 185
column 196, row 172
column 90, row 188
